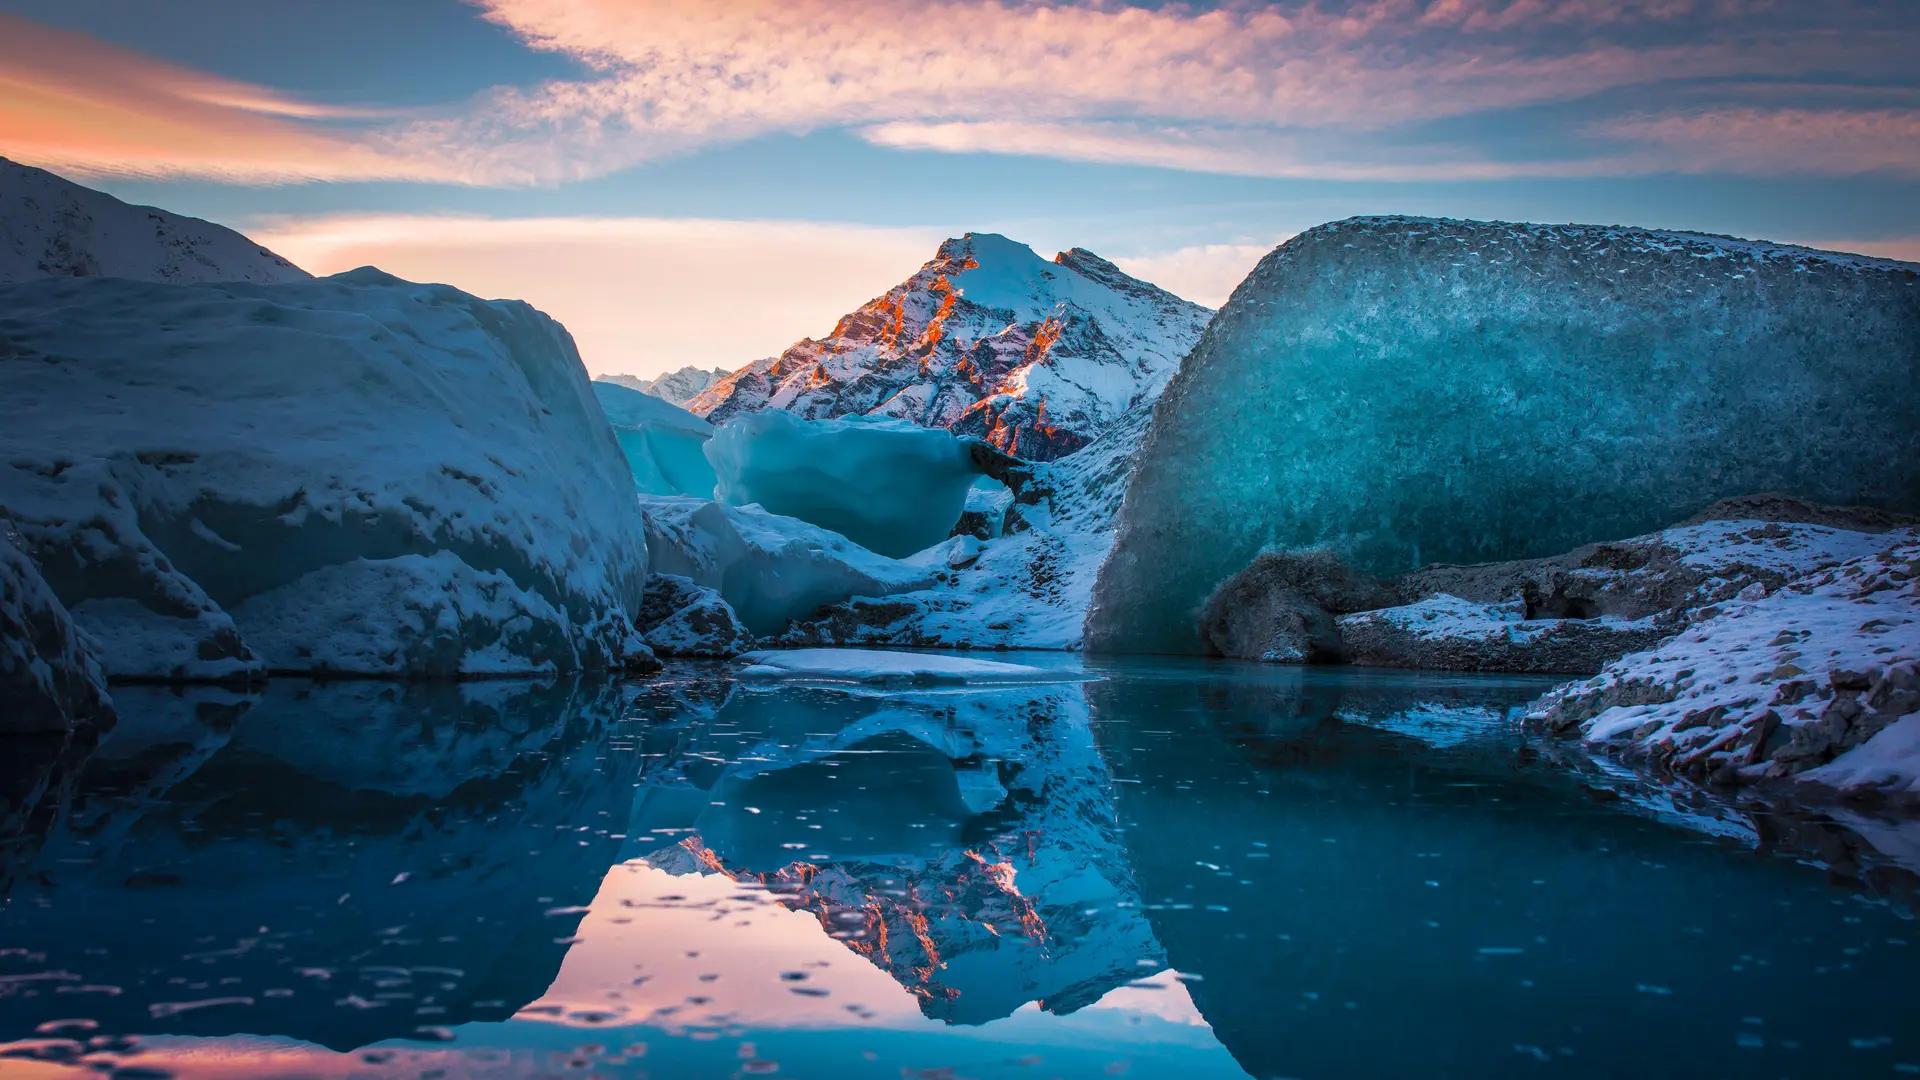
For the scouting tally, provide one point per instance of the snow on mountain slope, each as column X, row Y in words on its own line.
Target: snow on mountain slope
column 986, row 339
column 50, row 227
column 1406, row 391
column 356, row 474
column 677, row 387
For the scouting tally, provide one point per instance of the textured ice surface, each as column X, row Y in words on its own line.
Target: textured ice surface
column 184, row 459
column 49, row 679
column 1408, row 391
column 987, row 339
column 771, row 569
column 50, row 227
column 666, row 446
column 887, row 485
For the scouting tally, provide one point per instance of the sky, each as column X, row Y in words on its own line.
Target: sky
column 705, row 181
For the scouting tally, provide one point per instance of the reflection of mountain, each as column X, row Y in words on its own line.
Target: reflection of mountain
column 1375, row 882
column 340, row 863
column 962, row 842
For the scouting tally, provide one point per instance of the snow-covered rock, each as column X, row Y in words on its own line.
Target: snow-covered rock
column 49, row 679
column 770, row 569
column 986, row 339
column 1407, row 391
column 1447, row 633
column 354, row 474
column 50, row 227
column 887, row 485
column 665, row 444
column 890, row 667
column 675, row 387
column 1818, row 681
column 681, row 618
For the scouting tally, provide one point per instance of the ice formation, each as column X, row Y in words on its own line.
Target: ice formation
column 887, row 485
column 891, row 667
column 50, row 227
column 770, row 569
column 666, row 446
column 1818, row 681
column 675, row 387
column 49, row 679
column 352, row 474
column 1406, row 391
column 987, row 339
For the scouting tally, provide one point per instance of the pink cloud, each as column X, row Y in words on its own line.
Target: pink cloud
column 1779, row 140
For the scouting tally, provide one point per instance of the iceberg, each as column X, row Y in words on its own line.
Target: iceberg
column 353, row 475
column 665, row 445
column 888, row 485
column 1404, row 391
column 768, row 568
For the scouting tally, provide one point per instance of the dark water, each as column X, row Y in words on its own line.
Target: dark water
column 1176, row 870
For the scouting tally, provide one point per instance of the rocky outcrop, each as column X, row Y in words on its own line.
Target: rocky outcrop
column 987, row 339
column 680, row 618
column 1818, row 681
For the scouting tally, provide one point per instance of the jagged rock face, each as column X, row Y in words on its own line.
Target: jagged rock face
column 1407, row 391
column 50, row 227
column 49, row 680
column 675, row 387
column 986, row 339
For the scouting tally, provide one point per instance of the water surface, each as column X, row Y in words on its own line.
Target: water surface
column 1176, row 869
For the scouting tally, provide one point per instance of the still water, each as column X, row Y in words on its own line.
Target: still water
column 1173, row 869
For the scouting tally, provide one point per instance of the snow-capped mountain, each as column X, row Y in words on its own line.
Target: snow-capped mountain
column 51, row 227
column 678, row 387
column 986, row 339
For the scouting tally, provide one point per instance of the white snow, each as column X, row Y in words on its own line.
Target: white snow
column 1819, row 680
column 887, row 485
column 675, row 387
column 987, row 339
column 882, row 666
column 771, row 569
column 184, row 460
column 50, row 227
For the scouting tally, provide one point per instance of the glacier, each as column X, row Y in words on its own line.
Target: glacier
column 52, row 227
column 665, row 445
column 1406, row 390
column 890, row 486
column 989, row 339
column 354, row 475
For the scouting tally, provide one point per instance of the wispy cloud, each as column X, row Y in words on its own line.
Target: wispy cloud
column 1204, row 273
column 624, row 285
column 1365, row 89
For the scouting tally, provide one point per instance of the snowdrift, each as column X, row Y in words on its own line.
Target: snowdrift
column 350, row 475
column 1404, row 391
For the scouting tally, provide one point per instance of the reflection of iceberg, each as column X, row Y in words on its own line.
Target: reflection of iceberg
column 962, row 842
column 342, row 863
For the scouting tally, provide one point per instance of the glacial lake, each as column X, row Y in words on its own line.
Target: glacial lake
column 1178, row 869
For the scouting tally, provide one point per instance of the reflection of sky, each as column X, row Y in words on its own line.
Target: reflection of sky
column 638, row 146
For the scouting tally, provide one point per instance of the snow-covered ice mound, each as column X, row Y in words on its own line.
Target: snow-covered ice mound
column 770, row 569
column 1819, row 681
column 666, row 446
column 888, row 485
column 52, row 227
column 1406, row 391
column 884, row 666
column 354, row 474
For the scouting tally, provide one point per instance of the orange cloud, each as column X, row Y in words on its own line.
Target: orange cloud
column 75, row 104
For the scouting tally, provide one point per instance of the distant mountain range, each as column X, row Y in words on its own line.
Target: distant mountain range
column 988, row 339
column 678, row 387
column 52, row 227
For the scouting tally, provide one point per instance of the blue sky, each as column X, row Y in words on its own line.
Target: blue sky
column 703, row 182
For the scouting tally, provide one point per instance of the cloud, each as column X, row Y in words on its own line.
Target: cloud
column 1362, row 89
column 1204, row 273
column 624, row 286
column 1779, row 141
column 72, row 103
